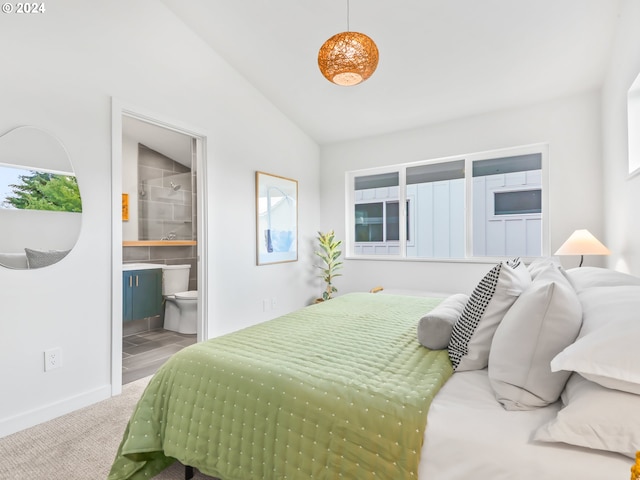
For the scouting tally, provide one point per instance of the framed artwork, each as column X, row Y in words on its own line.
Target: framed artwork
column 276, row 219
column 125, row 207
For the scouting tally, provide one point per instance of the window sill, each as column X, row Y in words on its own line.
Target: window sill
column 474, row 260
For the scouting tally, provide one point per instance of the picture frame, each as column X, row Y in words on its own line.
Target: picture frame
column 276, row 219
column 125, row 207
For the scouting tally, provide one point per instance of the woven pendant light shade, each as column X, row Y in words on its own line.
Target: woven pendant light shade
column 348, row 58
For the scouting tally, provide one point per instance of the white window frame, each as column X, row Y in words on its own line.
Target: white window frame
column 539, row 148
column 525, row 188
column 384, row 201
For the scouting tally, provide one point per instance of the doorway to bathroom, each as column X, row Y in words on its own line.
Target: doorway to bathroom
column 159, row 168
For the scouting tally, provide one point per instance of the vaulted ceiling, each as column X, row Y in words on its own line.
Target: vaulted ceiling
column 439, row 59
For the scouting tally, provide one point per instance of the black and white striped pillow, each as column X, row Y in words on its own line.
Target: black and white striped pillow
column 491, row 299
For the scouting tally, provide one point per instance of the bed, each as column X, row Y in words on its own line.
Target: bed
column 363, row 387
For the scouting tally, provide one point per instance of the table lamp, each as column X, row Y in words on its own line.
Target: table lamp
column 582, row 242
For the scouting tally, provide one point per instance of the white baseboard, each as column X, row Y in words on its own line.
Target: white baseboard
column 54, row 410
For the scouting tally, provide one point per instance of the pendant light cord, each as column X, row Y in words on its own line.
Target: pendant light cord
column 347, row 15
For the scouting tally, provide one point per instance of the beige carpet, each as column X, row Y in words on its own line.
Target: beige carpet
column 80, row 445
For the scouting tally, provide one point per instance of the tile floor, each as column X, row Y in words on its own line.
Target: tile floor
column 143, row 353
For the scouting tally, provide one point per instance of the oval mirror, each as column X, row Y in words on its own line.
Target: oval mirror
column 40, row 202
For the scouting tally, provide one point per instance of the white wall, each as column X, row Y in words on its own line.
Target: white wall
column 571, row 127
column 622, row 194
column 63, row 69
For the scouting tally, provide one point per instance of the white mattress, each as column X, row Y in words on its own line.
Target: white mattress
column 469, row 435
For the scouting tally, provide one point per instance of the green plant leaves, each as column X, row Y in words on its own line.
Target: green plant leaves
column 329, row 254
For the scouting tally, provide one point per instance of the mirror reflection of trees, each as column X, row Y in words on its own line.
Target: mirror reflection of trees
column 45, row 191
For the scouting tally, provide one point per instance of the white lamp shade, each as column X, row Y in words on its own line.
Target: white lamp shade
column 582, row 242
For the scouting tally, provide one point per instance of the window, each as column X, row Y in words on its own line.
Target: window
column 378, row 221
column 377, row 214
column 488, row 204
column 369, row 222
column 438, row 216
column 518, row 202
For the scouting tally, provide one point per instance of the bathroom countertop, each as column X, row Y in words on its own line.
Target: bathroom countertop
column 140, row 266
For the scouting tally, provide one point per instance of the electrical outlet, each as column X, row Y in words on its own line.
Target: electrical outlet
column 274, row 303
column 52, row 359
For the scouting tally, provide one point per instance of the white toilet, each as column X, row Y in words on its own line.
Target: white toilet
column 181, row 304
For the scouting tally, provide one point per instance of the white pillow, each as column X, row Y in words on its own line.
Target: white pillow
column 545, row 319
column 434, row 329
column 493, row 296
column 540, row 264
column 43, row 258
column 595, row 417
column 603, row 305
column 609, row 354
column 586, row 277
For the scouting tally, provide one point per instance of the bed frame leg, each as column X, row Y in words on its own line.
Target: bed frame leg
column 188, row 472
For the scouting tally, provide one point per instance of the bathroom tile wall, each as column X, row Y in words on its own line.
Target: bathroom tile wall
column 166, row 204
column 142, row 325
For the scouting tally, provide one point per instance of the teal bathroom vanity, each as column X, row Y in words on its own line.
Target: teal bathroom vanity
column 141, row 291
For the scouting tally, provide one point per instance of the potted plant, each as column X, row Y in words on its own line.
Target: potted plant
column 329, row 253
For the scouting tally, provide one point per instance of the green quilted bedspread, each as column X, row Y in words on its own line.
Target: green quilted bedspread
column 335, row 390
